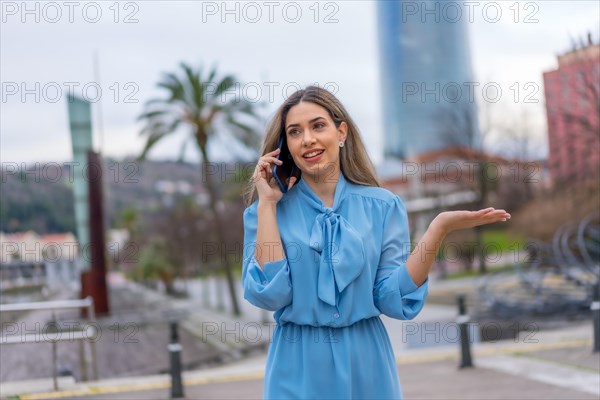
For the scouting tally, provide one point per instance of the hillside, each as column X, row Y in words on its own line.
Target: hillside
column 40, row 198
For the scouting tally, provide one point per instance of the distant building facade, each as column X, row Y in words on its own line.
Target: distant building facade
column 427, row 81
column 27, row 258
column 572, row 93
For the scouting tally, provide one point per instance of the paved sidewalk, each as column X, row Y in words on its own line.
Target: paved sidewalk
column 560, row 366
column 532, row 366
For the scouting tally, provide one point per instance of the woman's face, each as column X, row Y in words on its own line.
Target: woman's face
column 309, row 129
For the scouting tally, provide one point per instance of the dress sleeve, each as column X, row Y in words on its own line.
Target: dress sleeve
column 395, row 293
column 270, row 289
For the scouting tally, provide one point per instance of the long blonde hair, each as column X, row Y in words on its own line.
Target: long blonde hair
column 355, row 163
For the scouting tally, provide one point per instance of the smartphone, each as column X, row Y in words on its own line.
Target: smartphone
column 282, row 173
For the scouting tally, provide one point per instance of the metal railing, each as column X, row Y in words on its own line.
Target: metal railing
column 80, row 335
column 558, row 277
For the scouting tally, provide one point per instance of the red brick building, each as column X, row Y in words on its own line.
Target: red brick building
column 572, row 94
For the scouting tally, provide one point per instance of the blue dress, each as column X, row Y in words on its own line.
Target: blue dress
column 343, row 267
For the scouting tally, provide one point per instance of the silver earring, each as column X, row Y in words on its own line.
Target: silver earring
column 341, row 144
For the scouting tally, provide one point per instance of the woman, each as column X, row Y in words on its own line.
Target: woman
column 331, row 254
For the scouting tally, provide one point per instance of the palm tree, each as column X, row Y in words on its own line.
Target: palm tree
column 205, row 106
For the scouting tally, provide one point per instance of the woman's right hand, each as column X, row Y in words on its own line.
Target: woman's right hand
column 266, row 186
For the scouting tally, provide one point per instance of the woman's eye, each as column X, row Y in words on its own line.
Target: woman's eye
column 320, row 125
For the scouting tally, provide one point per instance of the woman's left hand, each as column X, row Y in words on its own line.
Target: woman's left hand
column 449, row 221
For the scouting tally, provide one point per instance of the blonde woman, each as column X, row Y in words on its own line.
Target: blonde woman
column 331, row 254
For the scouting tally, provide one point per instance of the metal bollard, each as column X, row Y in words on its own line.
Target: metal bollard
column 595, row 307
column 463, row 323
column 54, row 352
column 175, row 353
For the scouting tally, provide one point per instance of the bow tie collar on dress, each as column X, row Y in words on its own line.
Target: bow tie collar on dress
column 341, row 249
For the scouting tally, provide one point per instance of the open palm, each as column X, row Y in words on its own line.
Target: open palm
column 449, row 221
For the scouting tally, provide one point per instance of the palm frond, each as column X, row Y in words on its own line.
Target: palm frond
column 152, row 114
column 157, row 130
column 227, row 82
column 244, row 133
column 243, row 107
column 195, row 85
column 210, row 112
column 152, row 102
column 211, row 75
column 174, row 85
column 154, row 138
column 198, row 102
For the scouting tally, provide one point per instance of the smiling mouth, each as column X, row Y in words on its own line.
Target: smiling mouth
column 313, row 154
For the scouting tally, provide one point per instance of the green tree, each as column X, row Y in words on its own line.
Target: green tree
column 154, row 264
column 205, row 106
column 129, row 219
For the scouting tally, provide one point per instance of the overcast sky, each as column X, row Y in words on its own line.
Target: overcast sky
column 53, row 51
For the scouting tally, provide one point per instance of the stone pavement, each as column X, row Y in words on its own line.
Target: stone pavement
column 532, row 366
column 559, row 366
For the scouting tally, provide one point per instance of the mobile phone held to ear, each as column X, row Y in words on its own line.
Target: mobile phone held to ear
column 282, row 173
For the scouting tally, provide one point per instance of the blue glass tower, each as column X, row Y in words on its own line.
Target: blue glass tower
column 427, row 83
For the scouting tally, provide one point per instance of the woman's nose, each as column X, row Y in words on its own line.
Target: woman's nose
column 308, row 137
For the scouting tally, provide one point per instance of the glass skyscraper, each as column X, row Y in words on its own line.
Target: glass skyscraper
column 427, row 83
